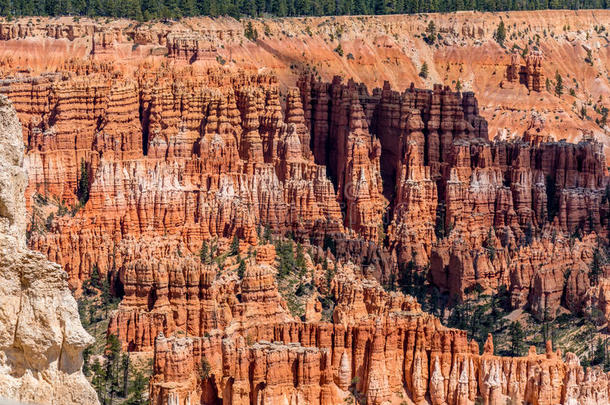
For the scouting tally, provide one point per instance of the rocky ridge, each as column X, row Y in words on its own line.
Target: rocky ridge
column 42, row 339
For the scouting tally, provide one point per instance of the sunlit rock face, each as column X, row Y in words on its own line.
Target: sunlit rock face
column 41, row 337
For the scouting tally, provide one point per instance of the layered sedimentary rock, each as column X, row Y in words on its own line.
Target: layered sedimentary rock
column 198, row 141
column 185, row 296
column 190, row 48
column 198, row 154
column 396, row 353
column 41, row 337
column 530, row 74
column 141, row 153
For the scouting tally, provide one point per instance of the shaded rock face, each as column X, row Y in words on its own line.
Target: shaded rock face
column 41, row 337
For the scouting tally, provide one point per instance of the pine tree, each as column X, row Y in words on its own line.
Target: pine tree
column 113, row 367
column 286, row 258
column 82, row 191
column 96, row 277
column 267, row 237
column 558, row 84
column 430, row 37
column 99, row 380
column 458, row 85
column 138, row 390
column 241, row 269
column 125, row 371
column 424, row 71
column 204, row 253
column 516, row 339
column 234, row 249
column 250, row 32
column 599, row 355
column 500, row 34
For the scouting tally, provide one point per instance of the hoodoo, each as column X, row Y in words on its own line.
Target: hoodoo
column 311, row 210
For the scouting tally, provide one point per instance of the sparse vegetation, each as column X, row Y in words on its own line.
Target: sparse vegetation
column 339, row 50
column 430, row 34
column 250, row 32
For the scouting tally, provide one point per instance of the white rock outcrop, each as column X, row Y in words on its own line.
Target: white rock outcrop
column 41, row 337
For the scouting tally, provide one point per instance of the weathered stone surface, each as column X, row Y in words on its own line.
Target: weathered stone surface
column 41, row 337
column 326, row 363
column 169, row 296
column 178, row 152
column 529, row 74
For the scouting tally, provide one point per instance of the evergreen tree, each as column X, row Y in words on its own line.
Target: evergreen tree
column 166, row 9
column 599, row 355
column 234, row 249
column 113, row 368
column 250, row 32
column 424, row 71
column 604, row 117
column 558, row 84
column 82, row 191
column 138, row 390
column 241, row 269
column 516, row 339
column 285, row 255
column 125, row 372
column 430, row 36
column 500, row 34
column 99, row 380
column 204, row 253
column 458, row 85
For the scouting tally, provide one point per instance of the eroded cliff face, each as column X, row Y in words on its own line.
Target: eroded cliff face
column 41, row 337
column 381, row 348
column 175, row 156
column 375, row 49
column 140, row 147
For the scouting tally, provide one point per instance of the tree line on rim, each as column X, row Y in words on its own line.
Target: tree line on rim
column 155, row 9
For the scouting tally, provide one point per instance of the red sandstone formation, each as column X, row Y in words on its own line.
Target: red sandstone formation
column 170, row 152
column 529, row 74
column 177, row 153
column 394, row 353
column 190, row 48
column 168, row 296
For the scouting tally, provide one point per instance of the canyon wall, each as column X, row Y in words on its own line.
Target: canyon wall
column 370, row 49
column 192, row 155
column 143, row 142
column 381, row 348
column 41, row 338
